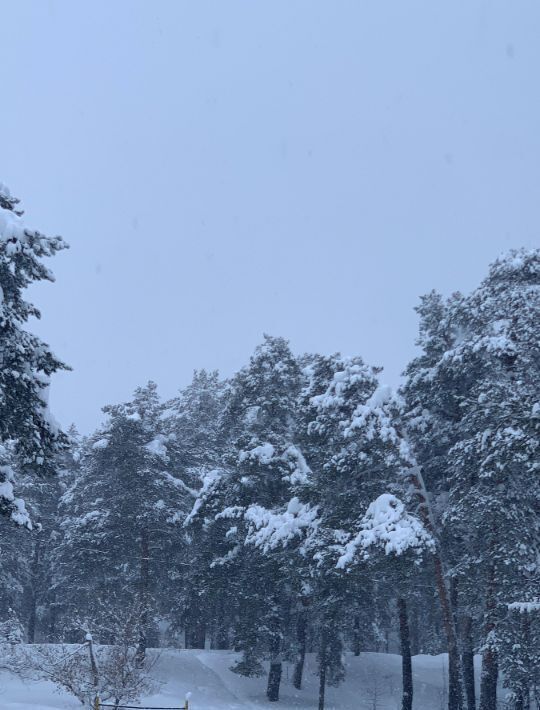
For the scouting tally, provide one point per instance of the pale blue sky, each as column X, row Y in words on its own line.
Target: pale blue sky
column 222, row 169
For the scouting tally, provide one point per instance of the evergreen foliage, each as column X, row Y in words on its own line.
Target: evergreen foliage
column 299, row 506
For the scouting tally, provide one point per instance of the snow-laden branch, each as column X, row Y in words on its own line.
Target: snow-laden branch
column 158, row 447
column 268, row 529
column 525, row 607
column 387, row 525
column 263, row 454
column 209, row 480
column 179, row 483
column 15, row 507
column 266, row 454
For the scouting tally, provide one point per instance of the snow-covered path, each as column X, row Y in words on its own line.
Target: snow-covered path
column 373, row 681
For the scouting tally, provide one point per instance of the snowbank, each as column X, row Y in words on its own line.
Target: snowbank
column 207, row 676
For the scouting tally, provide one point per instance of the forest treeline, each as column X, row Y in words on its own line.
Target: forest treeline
column 297, row 506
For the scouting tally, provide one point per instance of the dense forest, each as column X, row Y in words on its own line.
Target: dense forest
column 299, row 506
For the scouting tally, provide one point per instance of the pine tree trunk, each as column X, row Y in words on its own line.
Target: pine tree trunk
column 455, row 694
column 274, row 674
column 414, row 627
column 467, row 660
column 454, row 660
column 406, row 660
column 526, row 691
column 52, row 623
column 454, row 686
column 357, row 640
column 32, row 602
column 322, row 669
column 490, row 664
column 274, row 681
column 523, row 701
column 93, row 665
column 220, row 637
column 488, row 680
column 222, row 640
column 196, row 635
column 301, row 632
column 201, row 635
column 32, row 618
column 144, row 583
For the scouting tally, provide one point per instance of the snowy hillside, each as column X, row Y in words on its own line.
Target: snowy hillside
column 373, row 683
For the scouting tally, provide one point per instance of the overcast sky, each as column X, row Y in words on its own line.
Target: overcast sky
column 298, row 167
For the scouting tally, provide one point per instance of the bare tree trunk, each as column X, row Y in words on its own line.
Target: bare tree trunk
column 406, row 660
column 467, row 660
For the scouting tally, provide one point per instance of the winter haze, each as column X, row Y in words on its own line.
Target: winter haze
column 224, row 169
column 300, row 315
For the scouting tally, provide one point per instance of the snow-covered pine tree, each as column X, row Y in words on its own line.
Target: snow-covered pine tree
column 261, row 464
column 26, row 362
column 15, row 555
column 115, row 529
column 431, row 417
column 42, row 496
column 11, row 630
column 192, row 422
column 519, row 652
column 473, row 396
column 494, row 483
column 392, row 542
column 354, row 454
column 332, row 388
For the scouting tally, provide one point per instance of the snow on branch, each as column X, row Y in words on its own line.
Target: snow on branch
column 387, row 525
column 179, row 483
column 158, row 447
column 14, row 507
column 266, row 454
column 300, row 471
column 525, row 607
column 268, row 530
column 374, row 417
column 261, row 454
column 210, row 479
column 352, row 374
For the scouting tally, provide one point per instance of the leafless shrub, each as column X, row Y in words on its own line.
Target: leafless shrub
column 114, row 672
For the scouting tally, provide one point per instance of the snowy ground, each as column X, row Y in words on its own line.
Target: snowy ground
column 372, row 683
